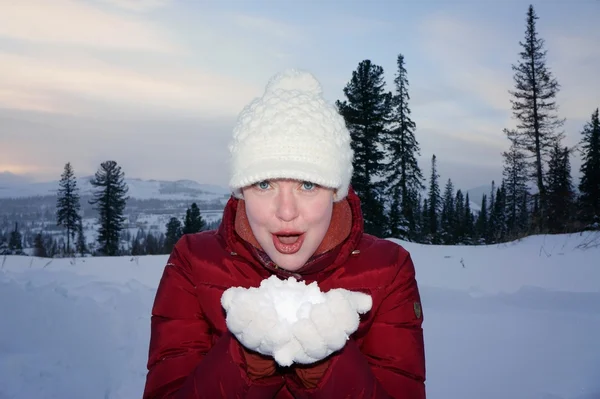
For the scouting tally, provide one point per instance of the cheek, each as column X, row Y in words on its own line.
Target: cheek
column 320, row 217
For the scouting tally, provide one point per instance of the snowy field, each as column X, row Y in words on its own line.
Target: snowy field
column 519, row 321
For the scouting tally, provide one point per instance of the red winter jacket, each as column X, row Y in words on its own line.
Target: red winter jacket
column 193, row 355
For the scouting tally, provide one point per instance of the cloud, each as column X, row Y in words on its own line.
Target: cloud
column 65, row 86
column 168, row 148
column 138, row 5
column 469, row 65
column 69, row 22
column 574, row 60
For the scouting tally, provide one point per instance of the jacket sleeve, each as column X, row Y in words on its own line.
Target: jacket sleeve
column 183, row 361
column 390, row 361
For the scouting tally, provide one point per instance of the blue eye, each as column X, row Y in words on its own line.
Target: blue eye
column 263, row 185
column 308, row 185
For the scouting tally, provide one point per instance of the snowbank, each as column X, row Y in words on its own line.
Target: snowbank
column 520, row 320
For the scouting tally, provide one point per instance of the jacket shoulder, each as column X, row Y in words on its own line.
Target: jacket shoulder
column 385, row 251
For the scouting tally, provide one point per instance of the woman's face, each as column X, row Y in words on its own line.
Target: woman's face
column 289, row 219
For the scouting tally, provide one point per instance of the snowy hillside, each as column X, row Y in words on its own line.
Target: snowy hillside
column 13, row 187
column 519, row 320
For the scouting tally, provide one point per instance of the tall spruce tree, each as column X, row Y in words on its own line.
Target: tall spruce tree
column 589, row 186
column 469, row 222
column 560, row 190
column 448, row 217
column 404, row 176
column 110, row 200
column 173, row 234
column 459, row 212
column 67, row 204
column 534, row 107
column 15, row 242
column 498, row 215
column 193, row 220
column 515, row 179
column 366, row 112
column 434, row 204
column 481, row 226
column 81, row 242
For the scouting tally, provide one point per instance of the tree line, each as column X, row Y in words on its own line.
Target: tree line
column 536, row 195
column 112, row 236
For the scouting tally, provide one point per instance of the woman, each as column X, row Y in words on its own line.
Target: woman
column 292, row 214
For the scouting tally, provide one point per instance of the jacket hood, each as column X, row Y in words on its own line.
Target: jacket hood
column 324, row 263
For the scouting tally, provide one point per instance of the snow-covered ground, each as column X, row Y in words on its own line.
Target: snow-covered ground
column 519, row 321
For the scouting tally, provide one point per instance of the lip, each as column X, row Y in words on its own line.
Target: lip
column 288, row 249
column 288, row 233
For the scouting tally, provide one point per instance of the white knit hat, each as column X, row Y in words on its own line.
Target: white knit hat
column 291, row 132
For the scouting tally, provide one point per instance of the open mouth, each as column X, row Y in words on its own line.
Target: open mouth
column 288, row 239
column 288, row 242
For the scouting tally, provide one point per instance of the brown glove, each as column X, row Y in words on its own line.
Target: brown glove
column 311, row 374
column 258, row 365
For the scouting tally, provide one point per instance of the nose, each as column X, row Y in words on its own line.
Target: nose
column 286, row 205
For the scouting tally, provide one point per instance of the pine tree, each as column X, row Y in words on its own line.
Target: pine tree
column 491, row 222
column 81, row 244
column 366, row 113
column 174, row 232
column 482, row 221
column 560, row 190
column 404, row 177
column 498, row 214
column 425, row 237
column 589, row 185
column 193, row 220
column 110, row 199
column 459, row 212
column 448, row 220
column 434, row 203
column 39, row 249
column 515, row 178
column 15, row 242
column 469, row 221
column 534, row 107
column 67, row 212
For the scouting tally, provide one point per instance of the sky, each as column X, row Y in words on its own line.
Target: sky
column 156, row 85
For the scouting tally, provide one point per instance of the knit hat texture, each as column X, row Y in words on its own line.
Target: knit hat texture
column 291, row 132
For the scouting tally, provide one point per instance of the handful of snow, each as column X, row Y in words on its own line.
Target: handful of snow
column 291, row 321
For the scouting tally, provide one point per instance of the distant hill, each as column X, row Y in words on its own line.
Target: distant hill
column 14, row 186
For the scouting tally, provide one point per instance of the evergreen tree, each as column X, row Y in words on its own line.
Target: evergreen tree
column 434, row 203
column 67, row 205
column 534, row 106
column 498, row 214
column 110, row 199
column 366, row 113
column 404, row 180
column 491, row 223
column 515, row 178
column 15, row 242
column 174, row 232
column 425, row 237
column 459, row 212
column 560, row 190
column 193, row 220
column 39, row 249
column 482, row 221
column 523, row 221
column 448, row 220
column 469, row 222
column 81, row 244
column 589, row 185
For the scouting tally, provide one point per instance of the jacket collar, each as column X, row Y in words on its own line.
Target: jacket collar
column 327, row 262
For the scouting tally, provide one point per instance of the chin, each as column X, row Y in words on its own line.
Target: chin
column 290, row 263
